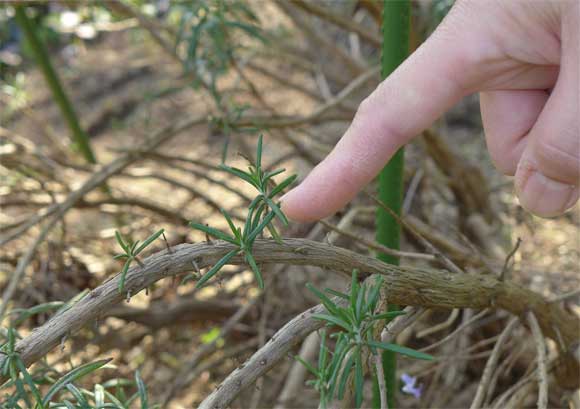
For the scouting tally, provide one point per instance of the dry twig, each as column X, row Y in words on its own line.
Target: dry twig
column 491, row 365
column 542, row 359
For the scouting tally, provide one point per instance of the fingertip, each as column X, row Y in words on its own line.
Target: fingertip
column 291, row 205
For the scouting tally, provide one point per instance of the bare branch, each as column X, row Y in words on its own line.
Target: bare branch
column 542, row 360
column 491, row 365
column 381, row 380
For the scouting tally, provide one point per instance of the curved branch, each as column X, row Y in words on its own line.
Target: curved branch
column 404, row 285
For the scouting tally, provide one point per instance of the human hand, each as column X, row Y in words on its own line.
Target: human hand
column 523, row 57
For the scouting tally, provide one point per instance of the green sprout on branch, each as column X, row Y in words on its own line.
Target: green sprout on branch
column 131, row 251
column 357, row 324
column 261, row 212
column 263, row 183
column 14, row 368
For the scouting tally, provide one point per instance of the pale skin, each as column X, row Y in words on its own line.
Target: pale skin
column 521, row 56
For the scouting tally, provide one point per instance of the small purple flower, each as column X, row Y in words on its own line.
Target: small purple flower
column 410, row 386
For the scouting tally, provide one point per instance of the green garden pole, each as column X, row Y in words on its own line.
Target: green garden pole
column 79, row 137
column 395, row 48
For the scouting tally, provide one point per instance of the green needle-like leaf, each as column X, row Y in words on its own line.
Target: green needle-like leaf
column 116, row 403
column 260, row 228
column 222, row 262
column 142, row 390
column 313, row 370
column 358, row 379
column 252, row 262
column 121, row 242
column 29, row 381
column 341, row 349
column 333, row 320
column 124, row 274
column 255, row 202
column 269, row 175
column 78, row 395
column 259, row 154
column 26, row 313
column 72, row 376
column 401, row 350
column 323, row 353
column 254, row 220
column 330, row 306
column 148, row 241
column 374, row 294
column 285, row 183
column 354, row 288
column 213, row 232
column 240, row 173
column 336, row 293
column 360, row 301
column 231, row 224
column 387, row 315
column 274, row 233
column 276, row 209
column 345, row 375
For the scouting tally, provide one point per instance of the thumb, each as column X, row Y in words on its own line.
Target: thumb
column 438, row 74
column 548, row 173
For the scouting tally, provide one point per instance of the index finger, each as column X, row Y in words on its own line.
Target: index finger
column 427, row 84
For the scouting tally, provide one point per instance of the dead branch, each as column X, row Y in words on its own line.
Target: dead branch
column 265, row 358
column 542, row 360
column 295, row 379
column 396, row 326
column 378, row 359
column 491, row 365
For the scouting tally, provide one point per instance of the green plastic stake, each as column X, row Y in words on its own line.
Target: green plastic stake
column 79, row 137
column 395, row 48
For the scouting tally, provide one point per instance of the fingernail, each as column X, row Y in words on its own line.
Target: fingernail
column 542, row 195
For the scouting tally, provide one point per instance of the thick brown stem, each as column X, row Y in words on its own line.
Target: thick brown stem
column 404, row 285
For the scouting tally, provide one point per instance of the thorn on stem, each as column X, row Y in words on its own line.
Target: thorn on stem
column 197, row 270
column 62, row 342
column 169, row 250
column 506, row 267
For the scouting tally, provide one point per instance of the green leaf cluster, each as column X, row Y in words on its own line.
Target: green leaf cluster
column 23, row 388
column 131, row 251
column 356, row 324
column 209, row 32
column 261, row 213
